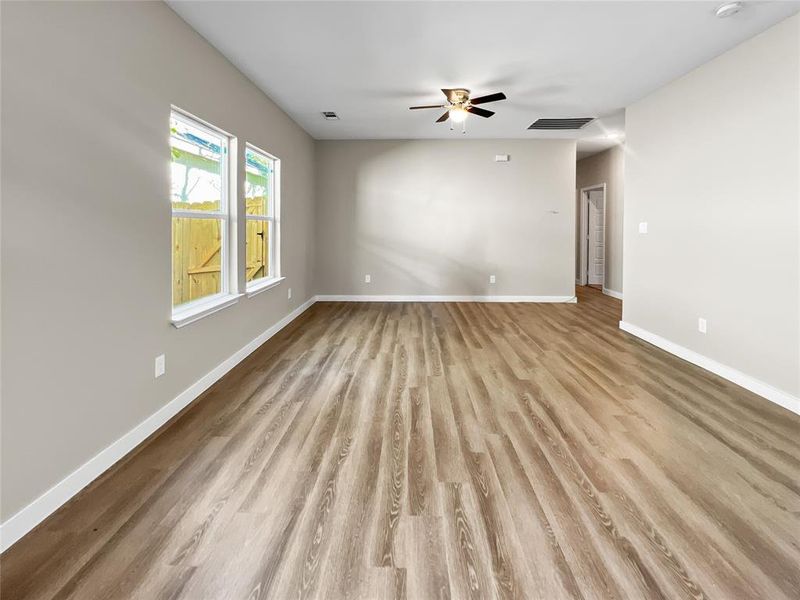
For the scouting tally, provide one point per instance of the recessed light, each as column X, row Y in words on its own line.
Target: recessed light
column 728, row 9
column 614, row 135
column 330, row 115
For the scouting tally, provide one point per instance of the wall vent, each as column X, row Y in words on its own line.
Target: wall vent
column 330, row 115
column 554, row 124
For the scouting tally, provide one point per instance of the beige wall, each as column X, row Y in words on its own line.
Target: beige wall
column 438, row 217
column 606, row 167
column 713, row 166
column 86, row 94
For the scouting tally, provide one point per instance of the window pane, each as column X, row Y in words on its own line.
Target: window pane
column 259, row 170
column 196, row 258
column 198, row 160
column 258, row 237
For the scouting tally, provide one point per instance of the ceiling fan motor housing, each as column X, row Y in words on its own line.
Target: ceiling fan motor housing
column 458, row 96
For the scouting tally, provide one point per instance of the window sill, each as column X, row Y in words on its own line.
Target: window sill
column 263, row 286
column 196, row 312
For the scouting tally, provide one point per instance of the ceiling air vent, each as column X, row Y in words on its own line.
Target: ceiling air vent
column 330, row 115
column 554, row 124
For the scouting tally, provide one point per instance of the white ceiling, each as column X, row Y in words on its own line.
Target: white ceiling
column 370, row 61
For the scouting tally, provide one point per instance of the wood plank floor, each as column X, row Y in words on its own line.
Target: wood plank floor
column 430, row 451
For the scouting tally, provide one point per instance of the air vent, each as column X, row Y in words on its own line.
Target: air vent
column 330, row 115
column 551, row 124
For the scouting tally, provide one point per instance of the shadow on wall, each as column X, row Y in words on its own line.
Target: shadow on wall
column 416, row 269
column 438, row 217
column 411, row 230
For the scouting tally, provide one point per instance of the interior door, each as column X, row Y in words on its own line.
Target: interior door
column 596, row 267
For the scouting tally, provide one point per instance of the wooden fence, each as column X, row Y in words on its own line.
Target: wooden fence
column 196, row 255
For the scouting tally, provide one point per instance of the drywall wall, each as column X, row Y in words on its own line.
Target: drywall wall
column 605, row 167
column 86, row 95
column 432, row 217
column 713, row 166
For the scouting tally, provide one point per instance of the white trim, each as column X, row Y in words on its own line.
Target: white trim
column 612, row 293
column 748, row 382
column 38, row 510
column 230, row 250
column 194, row 311
column 273, row 215
column 400, row 298
column 262, row 285
column 583, row 278
column 195, row 121
column 227, row 213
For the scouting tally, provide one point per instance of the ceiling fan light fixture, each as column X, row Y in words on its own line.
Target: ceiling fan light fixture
column 458, row 114
column 459, row 105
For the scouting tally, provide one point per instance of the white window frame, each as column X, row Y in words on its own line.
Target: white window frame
column 274, row 194
column 189, row 312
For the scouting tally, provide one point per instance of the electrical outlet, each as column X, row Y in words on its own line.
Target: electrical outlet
column 702, row 327
column 643, row 227
column 290, row 293
column 367, row 278
column 492, row 279
column 161, row 365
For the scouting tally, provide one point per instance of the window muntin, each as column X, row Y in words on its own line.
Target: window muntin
column 200, row 211
column 261, row 215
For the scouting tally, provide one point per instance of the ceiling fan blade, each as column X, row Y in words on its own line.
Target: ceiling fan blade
column 481, row 112
column 426, row 106
column 444, row 117
column 489, row 98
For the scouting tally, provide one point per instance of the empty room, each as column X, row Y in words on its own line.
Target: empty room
column 400, row 299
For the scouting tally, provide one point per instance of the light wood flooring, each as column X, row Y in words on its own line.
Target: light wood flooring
column 428, row 451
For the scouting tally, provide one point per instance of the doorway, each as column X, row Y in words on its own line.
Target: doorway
column 593, row 236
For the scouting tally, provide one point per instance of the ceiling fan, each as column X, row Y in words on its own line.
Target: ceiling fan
column 459, row 105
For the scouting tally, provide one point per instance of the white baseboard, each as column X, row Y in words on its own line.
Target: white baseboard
column 397, row 298
column 612, row 293
column 756, row 386
column 33, row 514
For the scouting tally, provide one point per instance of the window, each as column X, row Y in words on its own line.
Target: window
column 261, row 216
column 201, row 249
